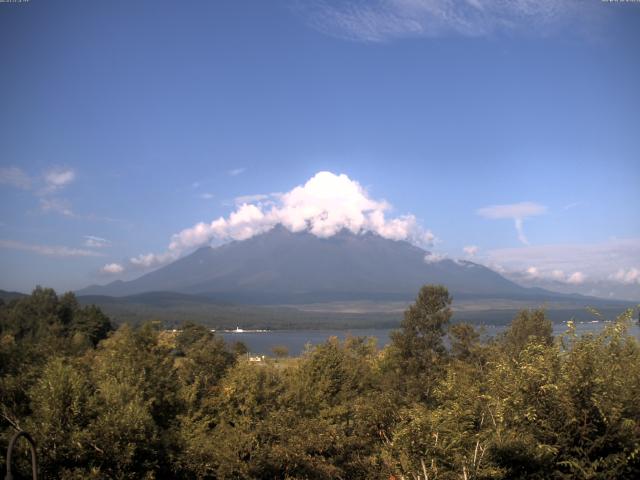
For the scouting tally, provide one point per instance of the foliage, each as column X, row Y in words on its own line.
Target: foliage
column 438, row 402
column 417, row 355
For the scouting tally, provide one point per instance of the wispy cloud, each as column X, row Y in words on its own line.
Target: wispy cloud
column 57, row 178
column 259, row 197
column 49, row 250
column 515, row 211
column 571, row 205
column 56, row 205
column 512, row 210
column 15, row 177
column 326, row 204
column 45, row 187
column 206, row 196
column 383, row 20
column 236, row 171
column 51, row 181
column 92, row 241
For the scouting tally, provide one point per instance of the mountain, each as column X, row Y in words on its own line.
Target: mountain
column 8, row 296
column 281, row 267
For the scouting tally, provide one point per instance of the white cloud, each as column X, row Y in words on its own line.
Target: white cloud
column 515, row 211
column 382, row 20
column 585, row 268
column 556, row 275
column 15, row 177
column 57, row 178
column 434, row 257
column 151, row 260
column 427, row 238
column 598, row 260
column 206, row 196
column 326, row 204
column 236, row 171
column 576, row 278
column 56, row 205
column 112, row 268
column 50, row 250
column 92, row 241
column 470, row 250
column 627, row 276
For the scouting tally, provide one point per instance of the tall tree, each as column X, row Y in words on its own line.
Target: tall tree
column 417, row 353
column 528, row 326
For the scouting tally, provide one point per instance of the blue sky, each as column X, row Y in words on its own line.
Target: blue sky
column 508, row 128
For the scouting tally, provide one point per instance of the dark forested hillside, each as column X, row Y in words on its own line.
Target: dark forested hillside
column 6, row 296
column 174, row 308
column 437, row 402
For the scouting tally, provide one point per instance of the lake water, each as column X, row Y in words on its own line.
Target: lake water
column 295, row 340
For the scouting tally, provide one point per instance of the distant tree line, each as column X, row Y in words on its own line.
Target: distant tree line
column 436, row 403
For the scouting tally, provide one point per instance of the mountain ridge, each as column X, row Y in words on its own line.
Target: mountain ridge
column 280, row 266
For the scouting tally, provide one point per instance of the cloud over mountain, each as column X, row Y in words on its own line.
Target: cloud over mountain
column 470, row 250
column 610, row 268
column 326, row 204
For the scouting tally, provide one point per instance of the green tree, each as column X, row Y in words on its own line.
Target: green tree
column 136, row 402
column 61, row 412
column 465, row 342
column 416, row 354
column 91, row 323
column 205, row 359
column 527, row 326
column 599, row 422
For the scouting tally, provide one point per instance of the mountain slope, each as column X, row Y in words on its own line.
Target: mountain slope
column 8, row 296
column 284, row 267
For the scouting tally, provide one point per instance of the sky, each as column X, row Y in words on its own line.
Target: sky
column 502, row 132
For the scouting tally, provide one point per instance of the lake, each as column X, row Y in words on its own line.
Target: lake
column 295, row 340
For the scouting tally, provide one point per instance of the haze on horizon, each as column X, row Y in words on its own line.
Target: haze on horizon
column 504, row 133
